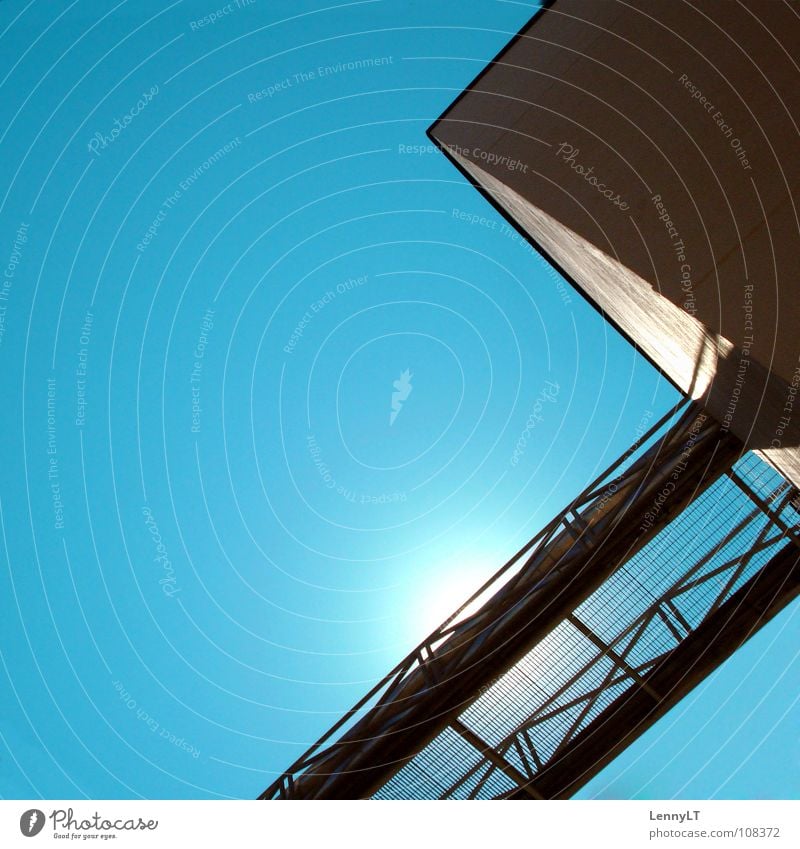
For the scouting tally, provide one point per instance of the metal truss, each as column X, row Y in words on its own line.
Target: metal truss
column 611, row 699
column 658, row 683
column 531, row 596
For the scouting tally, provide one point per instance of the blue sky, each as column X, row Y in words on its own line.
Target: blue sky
column 228, row 239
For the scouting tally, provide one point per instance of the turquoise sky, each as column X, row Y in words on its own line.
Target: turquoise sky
column 272, row 375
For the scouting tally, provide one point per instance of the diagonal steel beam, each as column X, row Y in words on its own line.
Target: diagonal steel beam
column 554, row 579
column 763, row 596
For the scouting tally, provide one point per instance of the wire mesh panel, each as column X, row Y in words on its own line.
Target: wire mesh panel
column 443, row 761
column 601, row 621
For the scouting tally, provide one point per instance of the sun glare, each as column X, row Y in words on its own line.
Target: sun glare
column 446, row 590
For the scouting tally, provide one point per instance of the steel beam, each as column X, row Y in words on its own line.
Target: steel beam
column 554, row 573
column 631, row 714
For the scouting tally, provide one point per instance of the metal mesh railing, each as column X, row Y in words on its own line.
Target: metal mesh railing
column 643, row 611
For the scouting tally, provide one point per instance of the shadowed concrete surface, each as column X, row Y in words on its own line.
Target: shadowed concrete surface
column 651, row 151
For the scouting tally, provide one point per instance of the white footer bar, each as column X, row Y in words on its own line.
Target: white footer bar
column 400, row 825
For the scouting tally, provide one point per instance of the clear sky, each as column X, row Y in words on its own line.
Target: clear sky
column 268, row 366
